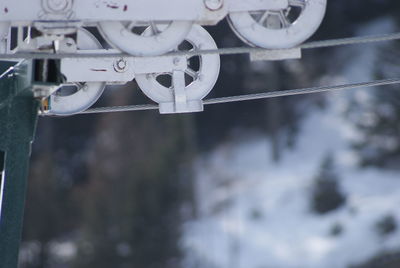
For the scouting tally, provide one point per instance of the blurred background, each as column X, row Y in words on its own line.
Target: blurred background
column 303, row 181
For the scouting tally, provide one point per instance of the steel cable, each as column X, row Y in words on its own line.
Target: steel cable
column 221, row 51
column 248, row 97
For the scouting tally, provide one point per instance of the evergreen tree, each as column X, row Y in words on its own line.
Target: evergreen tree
column 326, row 194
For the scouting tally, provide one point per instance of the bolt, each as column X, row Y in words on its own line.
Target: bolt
column 58, row 5
column 177, row 61
column 213, row 4
column 120, row 66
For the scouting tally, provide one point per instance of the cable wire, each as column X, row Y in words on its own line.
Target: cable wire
column 222, row 51
column 248, row 97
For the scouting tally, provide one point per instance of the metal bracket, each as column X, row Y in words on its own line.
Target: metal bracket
column 276, row 55
column 254, row 5
column 181, row 103
column 117, row 69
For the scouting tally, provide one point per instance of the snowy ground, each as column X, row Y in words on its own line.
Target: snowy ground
column 254, row 213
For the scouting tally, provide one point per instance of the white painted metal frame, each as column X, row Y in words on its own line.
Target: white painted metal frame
column 117, row 20
column 22, row 12
column 118, row 69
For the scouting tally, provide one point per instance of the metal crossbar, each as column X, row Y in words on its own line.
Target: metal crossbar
column 222, row 51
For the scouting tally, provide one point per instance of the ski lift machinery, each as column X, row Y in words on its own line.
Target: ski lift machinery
column 60, row 68
column 142, row 33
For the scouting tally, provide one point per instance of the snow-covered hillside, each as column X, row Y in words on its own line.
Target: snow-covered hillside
column 254, row 213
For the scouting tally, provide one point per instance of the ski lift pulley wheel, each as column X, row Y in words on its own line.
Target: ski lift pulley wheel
column 279, row 29
column 85, row 93
column 162, row 38
column 203, row 76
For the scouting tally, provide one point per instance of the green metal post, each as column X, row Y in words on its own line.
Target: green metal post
column 18, row 116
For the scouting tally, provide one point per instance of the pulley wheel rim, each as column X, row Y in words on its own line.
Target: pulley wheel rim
column 122, row 38
column 252, row 32
column 88, row 92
